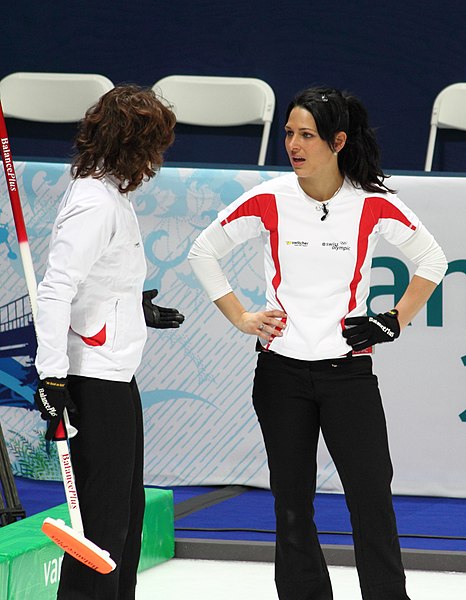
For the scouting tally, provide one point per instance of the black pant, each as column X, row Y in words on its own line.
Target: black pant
column 294, row 400
column 107, row 456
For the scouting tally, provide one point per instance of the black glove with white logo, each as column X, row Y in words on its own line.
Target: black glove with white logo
column 363, row 332
column 158, row 316
column 51, row 398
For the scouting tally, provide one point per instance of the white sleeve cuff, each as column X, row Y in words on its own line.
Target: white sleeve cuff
column 423, row 250
column 211, row 245
column 52, row 325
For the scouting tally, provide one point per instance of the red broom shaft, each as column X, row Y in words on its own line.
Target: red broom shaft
column 11, row 181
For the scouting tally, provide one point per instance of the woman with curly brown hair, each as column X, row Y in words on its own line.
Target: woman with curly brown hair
column 91, row 329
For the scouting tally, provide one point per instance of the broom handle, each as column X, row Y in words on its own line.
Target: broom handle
column 31, row 284
column 20, row 227
column 68, row 476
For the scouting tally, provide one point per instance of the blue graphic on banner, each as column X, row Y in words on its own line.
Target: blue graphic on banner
column 463, row 414
column 160, row 396
column 5, row 239
column 18, row 376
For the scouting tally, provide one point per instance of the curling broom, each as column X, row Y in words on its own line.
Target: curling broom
column 70, row 539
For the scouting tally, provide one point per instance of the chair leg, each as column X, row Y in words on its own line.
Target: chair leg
column 430, row 148
column 10, row 505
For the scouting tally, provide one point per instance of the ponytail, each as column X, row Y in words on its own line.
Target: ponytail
column 335, row 111
column 359, row 159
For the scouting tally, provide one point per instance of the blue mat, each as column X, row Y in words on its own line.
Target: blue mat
column 430, row 518
column 37, row 496
column 250, row 516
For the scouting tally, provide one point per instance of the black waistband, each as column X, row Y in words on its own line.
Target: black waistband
column 317, row 364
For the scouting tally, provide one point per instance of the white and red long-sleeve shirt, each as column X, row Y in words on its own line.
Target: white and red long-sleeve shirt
column 317, row 271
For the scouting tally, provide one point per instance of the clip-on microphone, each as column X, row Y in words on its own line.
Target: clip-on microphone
column 325, row 209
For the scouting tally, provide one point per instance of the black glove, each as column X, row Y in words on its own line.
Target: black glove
column 51, row 398
column 157, row 316
column 363, row 332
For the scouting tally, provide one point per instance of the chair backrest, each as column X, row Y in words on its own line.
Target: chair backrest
column 448, row 112
column 220, row 102
column 51, row 97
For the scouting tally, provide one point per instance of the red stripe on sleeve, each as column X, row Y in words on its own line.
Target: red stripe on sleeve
column 270, row 221
column 256, row 206
column 263, row 206
column 374, row 209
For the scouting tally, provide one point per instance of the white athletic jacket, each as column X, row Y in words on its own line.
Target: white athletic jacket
column 90, row 320
column 317, row 271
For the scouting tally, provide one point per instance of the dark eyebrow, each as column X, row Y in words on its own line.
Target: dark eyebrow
column 302, row 128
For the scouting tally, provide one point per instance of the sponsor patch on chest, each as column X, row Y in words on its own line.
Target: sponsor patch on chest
column 297, row 243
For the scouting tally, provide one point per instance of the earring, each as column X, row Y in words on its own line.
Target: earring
column 335, row 153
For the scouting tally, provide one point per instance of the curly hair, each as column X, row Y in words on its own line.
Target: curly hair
column 125, row 135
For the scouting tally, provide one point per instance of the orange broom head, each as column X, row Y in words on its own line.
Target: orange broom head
column 75, row 544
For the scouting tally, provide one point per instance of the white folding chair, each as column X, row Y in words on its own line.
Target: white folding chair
column 220, row 102
column 448, row 112
column 51, row 97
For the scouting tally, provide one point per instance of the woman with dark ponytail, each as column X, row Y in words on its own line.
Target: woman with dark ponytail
column 358, row 159
column 319, row 227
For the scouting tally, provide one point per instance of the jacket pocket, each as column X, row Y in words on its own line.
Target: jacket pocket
column 107, row 334
column 98, row 339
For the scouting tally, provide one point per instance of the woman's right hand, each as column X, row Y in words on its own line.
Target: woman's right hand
column 266, row 324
